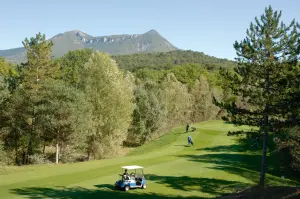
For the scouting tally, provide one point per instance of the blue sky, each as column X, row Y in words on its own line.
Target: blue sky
column 209, row 26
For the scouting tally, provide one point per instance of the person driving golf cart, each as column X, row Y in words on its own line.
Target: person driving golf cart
column 125, row 175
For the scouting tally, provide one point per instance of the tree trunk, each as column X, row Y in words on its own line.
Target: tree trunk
column 44, row 147
column 264, row 154
column 57, row 153
column 16, row 148
column 23, row 157
column 29, row 150
column 265, row 138
column 17, row 159
column 61, row 149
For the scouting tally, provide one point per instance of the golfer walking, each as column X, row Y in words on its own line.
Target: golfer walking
column 190, row 141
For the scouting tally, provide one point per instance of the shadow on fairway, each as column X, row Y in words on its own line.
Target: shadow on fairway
column 182, row 145
column 82, row 193
column 105, row 186
column 180, row 133
column 205, row 185
column 227, row 148
column 214, row 187
column 245, row 165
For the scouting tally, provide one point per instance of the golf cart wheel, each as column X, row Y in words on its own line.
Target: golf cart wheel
column 144, row 186
column 126, row 188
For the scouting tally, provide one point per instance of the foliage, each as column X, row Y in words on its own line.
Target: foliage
column 288, row 146
column 8, row 74
column 14, row 125
column 269, row 51
column 36, row 71
column 2, row 154
column 72, row 64
column 60, row 114
column 89, row 104
column 38, row 159
column 111, row 97
column 4, row 94
column 187, row 74
column 145, row 74
column 177, row 101
column 149, row 113
column 202, row 101
column 72, row 154
column 167, row 60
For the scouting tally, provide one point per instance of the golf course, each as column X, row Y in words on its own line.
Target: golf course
column 217, row 164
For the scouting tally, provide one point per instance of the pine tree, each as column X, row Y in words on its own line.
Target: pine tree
column 38, row 68
column 261, row 79
column 58, row 115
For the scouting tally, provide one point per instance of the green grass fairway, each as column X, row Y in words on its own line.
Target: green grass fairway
column 216, row 165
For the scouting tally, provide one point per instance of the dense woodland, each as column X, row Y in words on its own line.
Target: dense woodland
column 167, row 60
column 89, row 105
column 90, row 108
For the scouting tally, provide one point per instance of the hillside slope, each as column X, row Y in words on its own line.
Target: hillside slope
column 160, row 60
column 216, row 165
column 150, row 41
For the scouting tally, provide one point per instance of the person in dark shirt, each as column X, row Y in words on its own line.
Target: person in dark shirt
column 187, row 128
column 255, row 143
column 125, row 175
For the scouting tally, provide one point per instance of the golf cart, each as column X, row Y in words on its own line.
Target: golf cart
column 133, row 179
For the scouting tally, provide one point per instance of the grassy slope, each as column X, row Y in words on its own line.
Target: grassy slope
column 214, row 166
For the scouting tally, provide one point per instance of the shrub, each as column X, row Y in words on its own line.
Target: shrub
column 71, row 155
column 38, row 159
column 288, row 145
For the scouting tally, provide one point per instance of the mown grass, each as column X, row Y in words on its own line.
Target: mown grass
column 217, row 164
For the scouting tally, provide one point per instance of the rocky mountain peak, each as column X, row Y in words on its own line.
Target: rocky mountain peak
column 150, row 41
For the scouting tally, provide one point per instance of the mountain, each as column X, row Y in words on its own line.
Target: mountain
column 150, row 41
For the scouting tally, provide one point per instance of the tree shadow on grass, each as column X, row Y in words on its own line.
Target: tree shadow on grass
column 105, row 186
column 184, row 145
column 227, row 148
column 180, row 133
column 82, row 193
column 211, row 186
column 277, row 192
column 245, row 165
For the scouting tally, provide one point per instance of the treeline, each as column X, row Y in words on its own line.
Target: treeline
column 82, row 106
column 166, row 60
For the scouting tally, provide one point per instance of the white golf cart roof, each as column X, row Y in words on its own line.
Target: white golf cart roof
column 132, row 167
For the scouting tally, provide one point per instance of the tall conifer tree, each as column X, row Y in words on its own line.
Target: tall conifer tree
column 265, row 58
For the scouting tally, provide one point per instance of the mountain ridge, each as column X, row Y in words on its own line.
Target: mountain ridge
column 150, row 41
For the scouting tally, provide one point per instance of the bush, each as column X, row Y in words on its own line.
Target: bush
column 5, row 157
column 71, row 155
column 288, row 146
column 38, row 159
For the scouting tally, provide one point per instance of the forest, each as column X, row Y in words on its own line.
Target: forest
column 89, row 105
